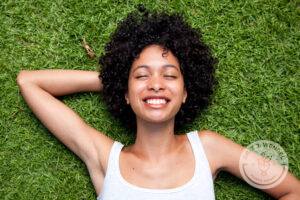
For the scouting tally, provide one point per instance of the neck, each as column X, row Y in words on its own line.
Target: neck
column 154, row 141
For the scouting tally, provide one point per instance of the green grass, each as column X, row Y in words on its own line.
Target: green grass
column 257, row 43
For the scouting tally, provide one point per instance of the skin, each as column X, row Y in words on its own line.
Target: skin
column 157, row 152
column 150, row 75
column 156, row 147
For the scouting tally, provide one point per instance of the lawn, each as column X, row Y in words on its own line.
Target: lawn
column 258, row 47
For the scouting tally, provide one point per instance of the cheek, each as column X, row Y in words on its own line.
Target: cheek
column 177, row 88
column 135, row 89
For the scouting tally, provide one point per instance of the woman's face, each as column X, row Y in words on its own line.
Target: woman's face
column 155, row 85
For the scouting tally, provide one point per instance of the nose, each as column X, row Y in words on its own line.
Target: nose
column 156, row 83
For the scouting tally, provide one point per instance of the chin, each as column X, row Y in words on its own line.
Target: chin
column 157, row 119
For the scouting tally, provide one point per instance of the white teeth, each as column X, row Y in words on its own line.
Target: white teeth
column 156, row 101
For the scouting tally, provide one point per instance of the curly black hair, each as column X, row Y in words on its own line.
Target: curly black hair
column 170, row 31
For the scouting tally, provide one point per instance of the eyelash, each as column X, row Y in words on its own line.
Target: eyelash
column 164, row 76
column 171, row 76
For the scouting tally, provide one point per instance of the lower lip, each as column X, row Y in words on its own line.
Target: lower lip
column 155, row 105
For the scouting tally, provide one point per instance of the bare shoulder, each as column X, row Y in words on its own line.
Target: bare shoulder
column 208, row 136
column 212, row 140
column 103, row 145
column 98, row 155
column 222, row 153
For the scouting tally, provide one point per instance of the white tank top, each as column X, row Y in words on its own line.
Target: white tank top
column 115, row 187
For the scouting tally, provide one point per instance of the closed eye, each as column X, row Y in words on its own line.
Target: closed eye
column 141, row 76
column 170, row 76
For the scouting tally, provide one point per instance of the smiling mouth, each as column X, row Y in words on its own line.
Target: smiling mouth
column 156, row 101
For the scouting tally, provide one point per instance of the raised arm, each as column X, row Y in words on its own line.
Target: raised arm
column 61, row 82
column 39, row 89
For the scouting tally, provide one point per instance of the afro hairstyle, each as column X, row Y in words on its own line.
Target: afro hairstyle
column 170, row 31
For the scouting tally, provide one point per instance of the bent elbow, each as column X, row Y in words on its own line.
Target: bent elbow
column 22, row 77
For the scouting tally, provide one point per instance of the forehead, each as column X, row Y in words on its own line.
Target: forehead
column 155, row 56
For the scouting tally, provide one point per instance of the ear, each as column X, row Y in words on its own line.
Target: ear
column 184, row 96
column 126, row 98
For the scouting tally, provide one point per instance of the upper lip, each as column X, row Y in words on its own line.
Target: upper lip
column 156, row 97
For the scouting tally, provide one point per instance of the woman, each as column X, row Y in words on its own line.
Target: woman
column 156, row 75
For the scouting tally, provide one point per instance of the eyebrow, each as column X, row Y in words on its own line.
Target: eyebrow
column 147, row 67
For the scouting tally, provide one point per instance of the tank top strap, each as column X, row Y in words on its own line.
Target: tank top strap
column 199, row 152
column 112, row 165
